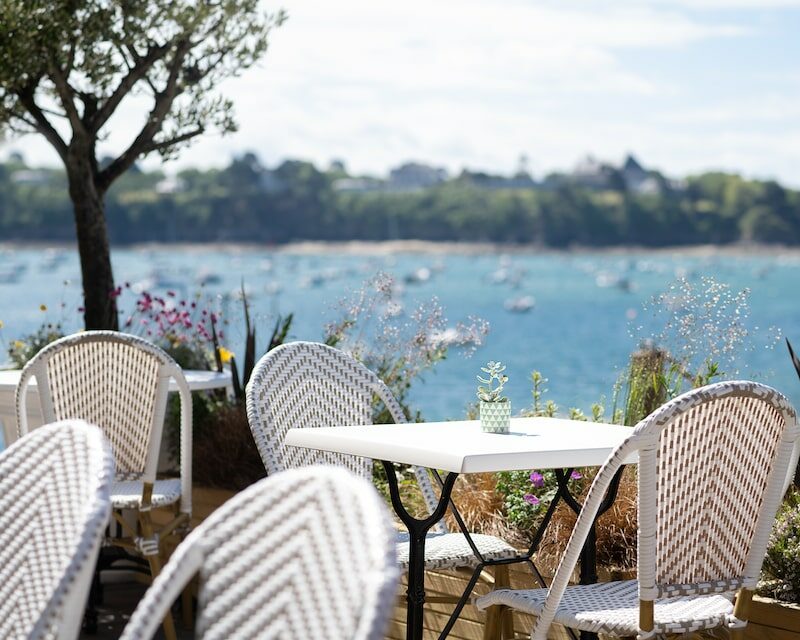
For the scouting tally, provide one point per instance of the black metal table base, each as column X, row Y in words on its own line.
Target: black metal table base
column 418, row 530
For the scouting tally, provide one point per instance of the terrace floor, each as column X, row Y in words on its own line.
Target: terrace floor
column 120, row 599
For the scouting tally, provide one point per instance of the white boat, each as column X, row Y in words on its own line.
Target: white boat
column 418, row 276
column 522, row 304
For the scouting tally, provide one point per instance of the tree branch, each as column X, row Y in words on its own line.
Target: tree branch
column 162, row 106
column 42, row 124
column 161, row 146
column 66, row 93
column 136, row 73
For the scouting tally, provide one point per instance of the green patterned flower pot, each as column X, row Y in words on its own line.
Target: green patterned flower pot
column 496, row 416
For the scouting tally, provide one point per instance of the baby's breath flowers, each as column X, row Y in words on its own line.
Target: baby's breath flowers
column 398, row 345
column 703, row 325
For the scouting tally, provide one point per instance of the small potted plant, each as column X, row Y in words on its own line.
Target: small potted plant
column 495, row 409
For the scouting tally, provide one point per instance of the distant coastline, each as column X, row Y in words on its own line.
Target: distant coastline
column 389, row 247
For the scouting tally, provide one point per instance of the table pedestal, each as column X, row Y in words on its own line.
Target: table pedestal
column 418, row 530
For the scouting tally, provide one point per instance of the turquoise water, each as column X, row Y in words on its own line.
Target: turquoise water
column 578, row 334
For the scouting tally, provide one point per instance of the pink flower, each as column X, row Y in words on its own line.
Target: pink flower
column 537, row 479
column 531, row 499
column 575, row 475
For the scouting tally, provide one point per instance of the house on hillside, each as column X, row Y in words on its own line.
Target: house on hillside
column 593, row 174
column 413, row 175
column 637, row 179
column 357, row 185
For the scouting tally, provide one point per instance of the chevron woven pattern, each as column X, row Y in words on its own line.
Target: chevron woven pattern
column 713, row 466
column 307, row 385
column 612, row 608
column 119, row 382
column 307, row 553
column 54, row 505
column 452, row 551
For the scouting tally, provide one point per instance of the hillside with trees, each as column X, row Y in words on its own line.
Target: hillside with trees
column 596, row 207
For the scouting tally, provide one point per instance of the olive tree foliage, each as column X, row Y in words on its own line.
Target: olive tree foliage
column 66, row 67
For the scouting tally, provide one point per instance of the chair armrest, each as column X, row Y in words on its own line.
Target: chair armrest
column 579, row 534
column 167, row 586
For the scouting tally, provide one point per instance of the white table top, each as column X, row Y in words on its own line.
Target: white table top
column 461, row 447
column 196, row 379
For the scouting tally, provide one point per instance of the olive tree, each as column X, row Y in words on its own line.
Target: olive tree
column 67, row 66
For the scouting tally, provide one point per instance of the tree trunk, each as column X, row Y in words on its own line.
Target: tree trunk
column 100, row 310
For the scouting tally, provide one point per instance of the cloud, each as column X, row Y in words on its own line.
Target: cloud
column 468, row 83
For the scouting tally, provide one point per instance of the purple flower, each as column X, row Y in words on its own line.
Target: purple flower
column 531, row 499
column 537, row 479
column 575, row 475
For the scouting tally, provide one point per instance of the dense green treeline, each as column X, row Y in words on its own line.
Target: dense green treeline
column 296, row 201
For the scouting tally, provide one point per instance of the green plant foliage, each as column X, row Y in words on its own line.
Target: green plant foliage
column 303, row 203
column 781, row 575
column 23, row 349
column 84, row 57
column 495, row 381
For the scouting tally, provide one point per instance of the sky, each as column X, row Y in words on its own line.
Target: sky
column 686, row 85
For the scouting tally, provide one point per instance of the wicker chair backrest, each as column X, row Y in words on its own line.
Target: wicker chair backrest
column 716, row 465
column 307, row 385
column 54, row 506
column 307, row 553
column 117, row 381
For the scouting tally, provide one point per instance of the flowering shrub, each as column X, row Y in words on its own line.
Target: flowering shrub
column 400, row 347
column 51, row 329
column 23, row 349
column 186, row 329
column 781, row 574
column 702, row 328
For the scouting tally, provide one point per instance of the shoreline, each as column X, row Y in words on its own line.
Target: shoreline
column 390, row 247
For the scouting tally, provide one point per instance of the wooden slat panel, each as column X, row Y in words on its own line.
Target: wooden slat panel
column 470, row 623
column 755, row 631
column 777, row 617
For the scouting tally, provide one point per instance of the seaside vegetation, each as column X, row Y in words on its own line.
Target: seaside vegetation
column 296, row 201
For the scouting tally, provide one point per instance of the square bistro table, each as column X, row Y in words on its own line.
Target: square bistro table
column 461, row 447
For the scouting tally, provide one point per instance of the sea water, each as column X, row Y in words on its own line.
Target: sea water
column 574, row 317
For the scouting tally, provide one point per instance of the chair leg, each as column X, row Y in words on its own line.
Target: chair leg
column 491, row 628
column 499, row 620
column 502, row 580
column 154, row 559
column 741, row 610
column 169, row 625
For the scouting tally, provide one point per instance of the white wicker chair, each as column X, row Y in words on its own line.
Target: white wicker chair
column 54, row 505
column 307, row 384
column 120, row 382
column 713, row 466
column 307, row 553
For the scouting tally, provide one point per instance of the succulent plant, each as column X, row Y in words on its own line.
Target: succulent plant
column 495, row 381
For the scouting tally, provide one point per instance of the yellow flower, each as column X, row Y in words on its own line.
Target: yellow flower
column 19, row 344
column 42, row 307
column 225, row 355
column 1, row 324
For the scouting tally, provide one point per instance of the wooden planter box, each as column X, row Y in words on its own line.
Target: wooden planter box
column 470, row 624
column 773, row 620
